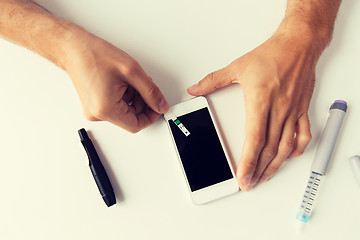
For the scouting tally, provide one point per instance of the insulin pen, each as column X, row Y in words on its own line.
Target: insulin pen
column 97, row 169
column 322, row 159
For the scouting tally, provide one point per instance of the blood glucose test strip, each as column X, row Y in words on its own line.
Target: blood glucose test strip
column 179, row 124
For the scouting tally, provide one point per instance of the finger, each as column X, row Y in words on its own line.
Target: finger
column 138, row 104
column 150, row 93
column 147, row 118
column 286, row 146
column 303, row 135
column 270, row 149
column 124, row 117
column 129, row 94
column 255, row 133
column 212, row 81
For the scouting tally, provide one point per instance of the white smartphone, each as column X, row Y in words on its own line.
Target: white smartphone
column 200, row 149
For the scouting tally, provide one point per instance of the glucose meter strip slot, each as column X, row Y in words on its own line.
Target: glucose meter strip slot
column 179, row 124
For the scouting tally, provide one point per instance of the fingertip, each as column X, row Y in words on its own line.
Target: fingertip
column 193, row 90
column 244, row 182
column 247, row 165
column 163, row 106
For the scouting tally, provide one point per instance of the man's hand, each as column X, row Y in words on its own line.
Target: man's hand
column 111, row 85
column 277, row 79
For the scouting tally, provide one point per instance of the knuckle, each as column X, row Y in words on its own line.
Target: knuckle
column 272, row 169
column 153, row 91
column 90, row 117
column 212, row 80
column 308, row 137
column 210, row 77
column 288, row 146
column 269, row 152
column 133, row 130
column 305, row 138
column 95, row 110
column 283, row 108
column 100, row 111
column 250, row 165
column 130, row 68
column 285, row 100
column 258, row 140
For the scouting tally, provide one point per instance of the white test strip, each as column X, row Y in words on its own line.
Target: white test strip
column 179, row 124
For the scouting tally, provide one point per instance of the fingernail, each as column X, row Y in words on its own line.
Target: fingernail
column 193, row 87
column 163, row 106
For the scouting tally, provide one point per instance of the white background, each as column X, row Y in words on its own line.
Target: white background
column 47, row 190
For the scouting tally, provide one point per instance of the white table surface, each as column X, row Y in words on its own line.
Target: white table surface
column 47, row 190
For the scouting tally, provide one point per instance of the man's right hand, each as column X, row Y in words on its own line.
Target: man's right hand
column 111, row 85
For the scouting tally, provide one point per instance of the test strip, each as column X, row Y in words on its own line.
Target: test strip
column 179, row 124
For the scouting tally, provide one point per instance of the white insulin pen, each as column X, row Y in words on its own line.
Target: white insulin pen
column 322, row 159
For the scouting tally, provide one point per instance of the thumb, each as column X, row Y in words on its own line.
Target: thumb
column 211, row 82
column 151, row 94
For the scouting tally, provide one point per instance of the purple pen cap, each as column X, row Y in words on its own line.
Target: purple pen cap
column 341, row 101
column 339, row 104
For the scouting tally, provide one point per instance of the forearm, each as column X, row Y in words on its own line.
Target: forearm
column 311, row 20
column 28, row 24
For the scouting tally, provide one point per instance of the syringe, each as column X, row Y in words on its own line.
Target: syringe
column 322, row 159
column 309, row 197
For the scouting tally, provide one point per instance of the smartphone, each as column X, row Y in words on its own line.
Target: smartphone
column 200, row 149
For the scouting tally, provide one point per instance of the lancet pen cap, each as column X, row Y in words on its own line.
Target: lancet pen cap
column 83, row 134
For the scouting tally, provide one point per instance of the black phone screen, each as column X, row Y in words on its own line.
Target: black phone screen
column 201, row 153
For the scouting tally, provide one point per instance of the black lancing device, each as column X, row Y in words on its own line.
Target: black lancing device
column 97, row 169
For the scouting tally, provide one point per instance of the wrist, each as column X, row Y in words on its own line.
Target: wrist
column 68, row 41
column 311, row 20
column 304, row 34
